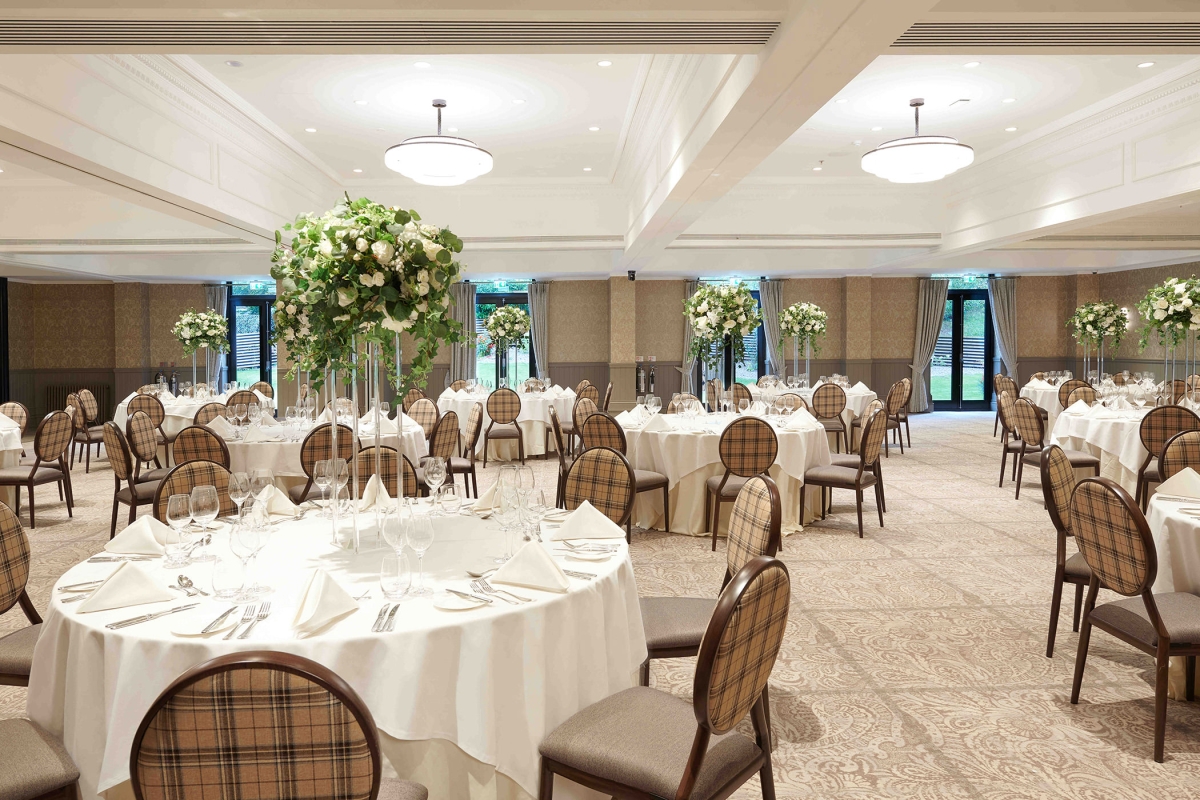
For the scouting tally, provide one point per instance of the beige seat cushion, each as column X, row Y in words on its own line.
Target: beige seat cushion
column 675, row 621
column 850, row 460
column 299, row 493
column 91, row 435
column 32, row 762
column 646, row 480
column 153, row 475
column 832, row 423
column 145, row 492
column 402, row 790
column 1180, row 614
column 732, row 486
column 11, row 475
column 837, row 476
column 1077, row 567
column 503, row 432
column 16, row 652
column 642, row 737
column 1151, row 473
column 459, row 464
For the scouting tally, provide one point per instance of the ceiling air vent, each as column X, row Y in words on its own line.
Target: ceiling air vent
column 1156, row 37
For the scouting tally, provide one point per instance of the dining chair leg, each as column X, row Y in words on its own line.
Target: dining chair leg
column 112, row 530
column 667, row 508
column 908, row 430
column 87, row 458
column 485, row 449
column 1085, row 636
column 766, row 777
column 800, row 516
column 996, row 424
column 31, row 524
column 887, row 453
column 1162, row 668
column 1055, row 604
column 706, row 508
column 1020, row 474
column 858, row 502
column 1003, row 463
column 716, row 520
column 1190, row 681
column 1078, row 606
column 644, row 672
column 879, row 501
column 520, row 443
column 546, row 786
column 132, row 512
column 900, row 437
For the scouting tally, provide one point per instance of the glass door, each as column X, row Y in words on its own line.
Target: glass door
column 251, row 355
column 958, row 378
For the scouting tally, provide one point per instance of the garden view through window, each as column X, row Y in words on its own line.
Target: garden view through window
column 753, row 366
column 489, row 295
column 252, row 357
column 959, row 370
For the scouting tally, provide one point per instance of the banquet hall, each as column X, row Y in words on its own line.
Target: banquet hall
column 497, row 401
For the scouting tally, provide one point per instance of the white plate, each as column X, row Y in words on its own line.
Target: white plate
column 452, row 602
column 189, row 623
column 589, row 556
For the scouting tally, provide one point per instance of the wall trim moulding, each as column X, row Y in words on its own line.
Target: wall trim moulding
column 221, row 244
column 800, row 240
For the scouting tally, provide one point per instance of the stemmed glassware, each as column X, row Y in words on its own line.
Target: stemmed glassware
column 242, row 412
column 261, row 480
column 435, row 475
column 653, row 403
column 323, row 478
column 179, row 517
column 341, row 476
column 204, row 507
column 420, row 537
column 246, row 540
column 239, row 490
column 254, row 413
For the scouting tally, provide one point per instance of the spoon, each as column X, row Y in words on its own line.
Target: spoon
column 186, row 582
column 202, row 542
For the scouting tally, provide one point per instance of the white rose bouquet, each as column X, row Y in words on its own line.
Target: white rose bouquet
column 804, row 322
column 717, row 311
column 1171, row 310
column 508, row 324
column 1093, row 322
column 196, row 329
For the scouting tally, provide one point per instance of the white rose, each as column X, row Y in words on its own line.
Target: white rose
column 326, row 247
column 423, row 289
column 383, row 251
column 1180, row 289
column 423, row 306
column 1187, row 302
column 291, row 309
column 445, row 301
column 279, row 304
column 1160, row 314
column 432, row 249
column 380, row 279
column 361, row 245
column 365, row 279
column 1161, row 303
column 728, row 324
column 288, row 336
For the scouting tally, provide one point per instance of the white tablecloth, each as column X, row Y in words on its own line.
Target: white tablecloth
column 489, row 683
column 534, row 419
column 1177, row 540
column 10, row 455
column 1111, row 435
column 283, row 457
column 858, row 397
column 182, row 410
column 1044, row 396
column 688, row 456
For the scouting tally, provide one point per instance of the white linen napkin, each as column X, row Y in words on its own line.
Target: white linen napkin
column 257, row 433
column 533, row 568
column 268, row 420
column 446, row 394
column 801, row 419
column 628, row 419
column 1038, row 383
column 375, row 494
column 277, row 503
column 386, row 426
column 221, row 427
column 861, row 387
column 587, row 522
column 263, row 400
column 1185, row 483
column 487, row 500
column 1078, row 407
column 322, row 602
column 657, row 423
column 1096, row 411
column 130, row 584
column 326, row 415
column 145, row 537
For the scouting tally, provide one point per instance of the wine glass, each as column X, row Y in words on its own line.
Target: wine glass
column 239, row 489
column 179, row 516
column 262, row 484
column 323, row 478
column 242, row 412
column 395, row 528
column 420, row 537
column 395, row 576
column 653, row 403
column 254, row 413
column 204, row 507
column 385, row 408
column 435, row 474
column 341, row 475
column 253, row 537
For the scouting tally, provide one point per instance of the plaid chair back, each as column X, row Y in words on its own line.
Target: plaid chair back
column 142, row 436
column 1058, row 481
column 828, row 401
column 14, row 558
column 267, row 389
column 411, row 396
column 318, row 446
column 1113, row 536
column 458, row 385
column 242, row 397
column 1178, row 390
column 1004, row 404
column 748, row 447
column 208, row 412
column 53, row 436
column 148, row 405
column 603, row 477
column 676, row 403
column 741, row 643
column 504, row 406
column 474, row 426
column 257, row 725
column 607, row 398
column 872, row 407
column 1038, row 376
column 1181, row 450
column 895, row 399
column 584, row 408
column 1163, row 422
column 559, row 445
column 118, row 452
column 1064, row 390
column 1118, row 380
column 1085, row 393
column 740, row 392
column 74, row 407
column 871, row 444
column 1028, row 422
column 365, row 464
column 581, row 386
column 424, row 413
column 91, row 408
column 754, row 524
column 710, row 389
column 590, row 392
column 601, row 430
column 184, row 477
column 16, row 412
column 907, row 392
column 443, row 442
column 1003, row 383
column 198, row 443
column 791, row 402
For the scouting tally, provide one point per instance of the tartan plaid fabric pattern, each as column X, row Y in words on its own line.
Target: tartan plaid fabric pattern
column 874, row 432
column 410, row 477
column 254, row 731
column 677, row 402
column 1118, row 379
column 1058, row 481
column 425, row 414
column 1164, row 422
column 1028, row 422
column 740, row 393
column 53, row 436
column 581, row 386
column 748, row 447
column 16, row 412
column 318, row 446
column 1003, row 383
column 267, row 389
column 559, row 446
column 208, row 412
column 584, row 408
column 1108, row 535
column 1182, row 450
column 607, row 397
column 411, row 396
column 748, row 645
column 828, row 401
column 91, row 409
column 1004, row 403
column 185, row 477
column 14, row 558
column 198, row 443
column 603, row 477
column 907, row 393
column 1085, row 393
column 792, row 402
column 750, row 524
column 150, row 406
column 142, row 436
column 1064, row 390
column 118, row 452
column 365, row 464
column 591, row 392
column 1039, row 376
column 601, row 430
column 895, row 399
column 241, row 397
column 504, row 406
column 443, row 442
column 458, row 385
column 75, row 409
column 475, row 424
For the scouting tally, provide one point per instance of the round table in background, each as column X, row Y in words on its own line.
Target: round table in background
column 1044, row 396
column 858, row 397
column 1110, row 435
column 180, row 411
column 534, row 419
column 1177, row 542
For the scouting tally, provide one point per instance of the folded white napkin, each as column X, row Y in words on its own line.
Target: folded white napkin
column 1078, row 407
column 257, row 433
column 129, row 399
column 277, row 503
column 801, row 419
column 487, row 500
column 1185, row 483
column 326, row 415
column 130, row 584
column 533, row 568
column 1038, row 383
column 587, row 522
column 1097, row 410
column 447, row 393
column 386, row 426
column 657, row 423
column 268, row 420
column 263, row 400
column 145, row 537
column 627, row 419
column 221, row 427
column 322, row 602
column 8, row 423
column 860, row 387
column 375, row 495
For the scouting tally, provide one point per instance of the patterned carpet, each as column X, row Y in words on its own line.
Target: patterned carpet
column 914, row 665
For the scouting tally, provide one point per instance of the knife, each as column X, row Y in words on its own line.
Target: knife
column 147, row 617
column 216, row 622
column 466, row 596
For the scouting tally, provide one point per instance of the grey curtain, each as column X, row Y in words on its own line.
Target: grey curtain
column 689, row 363
column 462, row 355
column 1003, row 295
column 539, row 298
column 931, row 305
column 217, row 297
column 770, row 298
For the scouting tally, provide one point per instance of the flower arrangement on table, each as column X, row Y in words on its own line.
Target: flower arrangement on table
column 1093, row 322
column 1170, row 309
column 804, row 322
column 508, row 325
column 717, row 312
column 196, row 329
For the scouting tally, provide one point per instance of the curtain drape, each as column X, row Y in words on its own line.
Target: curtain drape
column 462, row 355
column 931, row 306
column 689, row 363
column 1003, row 295
column 770, row 297
column 539, row 298
column 217, row 298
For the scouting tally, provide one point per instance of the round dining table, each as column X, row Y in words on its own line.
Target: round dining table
column 180, row 411
column 858, row 397
column 1110, row 434
column 1044, row 395
column 462, row 698
column 1175, row 525
column 534, row 419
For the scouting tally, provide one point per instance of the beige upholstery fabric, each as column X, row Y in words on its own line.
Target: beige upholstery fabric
column 32, row 762
column 675, row 621
column 1180, row 614
column 16, row 655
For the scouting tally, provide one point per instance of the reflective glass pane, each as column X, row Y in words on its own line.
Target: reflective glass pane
column 973, row 356
column 940, row 387
column 247, row 323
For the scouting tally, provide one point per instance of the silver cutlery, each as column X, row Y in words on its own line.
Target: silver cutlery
column 390, row 625
column 263, row 611
column 248, row 616
column 489, row 589
column 591, row 546
column 201, row 542
column 378, row 626
column 75, row 598
column 584, row 576
column 186, row 583
column 481, row 573
column 112, row 559
column 216, row 623
column 476, row 586
column 469, row 596
column 125, row 623
column 364, row 596
column 77, row 587
column 183, row 589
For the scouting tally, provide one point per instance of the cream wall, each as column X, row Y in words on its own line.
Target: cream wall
column 893, row 317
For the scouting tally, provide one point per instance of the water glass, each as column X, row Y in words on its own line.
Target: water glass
column 420, row 538
column 228, row 578
column 435, row 474
column 179, row 516
column 395, row 528
column 450, row 500
column 341, row 476
column 395, row 576
column 323, row 478
column 239, row 489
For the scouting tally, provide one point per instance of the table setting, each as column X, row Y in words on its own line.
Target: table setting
column 534, row 419
column 180, row 411
column 1043, row 393
column 858, row 395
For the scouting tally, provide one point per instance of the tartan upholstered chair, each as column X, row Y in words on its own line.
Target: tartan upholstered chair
column 675, row 625
column 1085, row 393
column 828, row 402
column 645, row 743
column 1010, row 442
column 134, row 493
column 444, row 438
column 318, row 446
column 581, row 386
column 142, row 438
column 1058, row 481
column 17, row 413
column 91, row 432
column 851, row 460
column 208, row 412
column 424, row 413
column 676, row 404
column 242, row 397
column 185, row 477
column 747, row 447
column 411, row 396
column 591, row 392
column 1181, row 450
column 740, row 392
column 893, row 407
column 464, row 464
column 16, row 648
column 584, row 407
column 607, row 398
column 49, row 465
column 564, row 460
column 147, row 388
column 856, row 479
column 267, row 389
column 904, row 409
column 1031, row 429
column 503, row 408
column 82, row 437
column 458, row 385
column 152, row 407
column 389, row 462
column 604, row 478
column 1116, row 542
column 1159, row 425
column 1002, row 383
column 1064, row 391
column 601, row 430
column 792, row 403
column 198, row 443
column 259, row 724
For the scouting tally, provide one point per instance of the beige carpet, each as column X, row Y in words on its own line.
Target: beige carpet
column 914, row 664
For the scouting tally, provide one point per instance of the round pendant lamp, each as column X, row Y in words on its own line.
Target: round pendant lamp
column 438, row 160
column 917, row 158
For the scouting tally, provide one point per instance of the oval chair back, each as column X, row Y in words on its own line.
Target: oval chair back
column 185, row 477
column 474, row 426
column 198, row 443
column 208, row 412
column 604, row 478
column 601, row 430
column 748, row 447
column 118, row 453
column 828, row 401
column 424, row 413
column 443, row 441
column 754, row 524
column 267, row 389
column 591, row 393
column 458, row 385
column 14, row 563
column 411, row 396
column 1181, row 450
column 242, row 397
column 142, row 436
column 584, row 408
column 1064, row 390
column 1085, row 393
column 149, row 405
column 17, row 413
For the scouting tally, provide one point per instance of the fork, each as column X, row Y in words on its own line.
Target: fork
column 489, row 589
column 263, row 611
column 248, row 616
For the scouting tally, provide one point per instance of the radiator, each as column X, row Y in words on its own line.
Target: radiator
column 56, row 397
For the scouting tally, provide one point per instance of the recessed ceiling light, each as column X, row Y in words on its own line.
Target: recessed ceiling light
column 816, row 169
column 361, row 102
column 971, row 64
column 594, row 128
column 877, row 128
column 1, row 170
column 841, row 100
column 604, row 63
column 1010, row 130
column 518, row 101
column 587, row 169
column 1009, row 100
column 358, row 170
column 1145, row 64
column 421, row 65
column 310, row 130
column 233, row 63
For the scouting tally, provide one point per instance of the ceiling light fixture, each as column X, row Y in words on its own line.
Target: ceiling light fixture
column 604, row 63
column 421, row 65
column 594, row 128
column 361, row 102
column 877, row 128
column 233, row 63
column 1145, row 64
column 841, row 100
column 917, row 158
column 1010, row 130
column 971, row 64
column 358, row 170
column 310, row 130
column 1009, row 100
column 438, row 160
column 820, row 165
column 587, row 169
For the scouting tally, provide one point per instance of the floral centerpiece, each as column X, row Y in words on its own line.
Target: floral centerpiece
column 720, row 312
column 195, row 329
column 1093, row 322
column 1170, row 309
column 507, row 324
column 804, row 322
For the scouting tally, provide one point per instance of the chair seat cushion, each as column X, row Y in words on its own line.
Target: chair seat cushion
column 1151, row 472
column 300, row 492
column 10, row 475
column 144, row 492
column 837, row 476
column 503, row 432
column 1077, row 567
column 402, row 790
column 152, row 475
column 1043, row 413
column 16, row 651
column 1180, row 612
column 642, row 737
column 832, row 423
column 672, row 622
column 732, row 486
column 1078, row 458
column 32, row 762
column 845, row 460
column 646, row 480
column 460, row 464
column 91, row 435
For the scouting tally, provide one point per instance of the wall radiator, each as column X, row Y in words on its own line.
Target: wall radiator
column 56, row 397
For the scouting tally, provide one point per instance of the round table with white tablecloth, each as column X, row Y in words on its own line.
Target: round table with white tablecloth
column 10, row 455
column 534, row 419
column 462, row 699
column 858, row 397
column 181, row 411
column 1111, row 435
column 1175, row 525
column 1045, row 396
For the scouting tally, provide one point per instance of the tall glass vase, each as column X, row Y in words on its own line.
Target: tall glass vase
column 796, row 357
column 808, row 360
column 193, row 373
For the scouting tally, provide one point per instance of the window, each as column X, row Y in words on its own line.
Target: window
column 252, row 357
column 488, row 296
column 754, row 365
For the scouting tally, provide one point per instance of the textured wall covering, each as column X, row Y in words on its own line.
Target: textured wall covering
column 167, row 302
column 20, row 325
column 1127, row 288
column 830, row 295
column 622, row 320
column 131, row 311
column 660, row 319
column 72, row 325
column 893, row 317
column 578, row 322
column 860, row 316
column 1043, row 305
